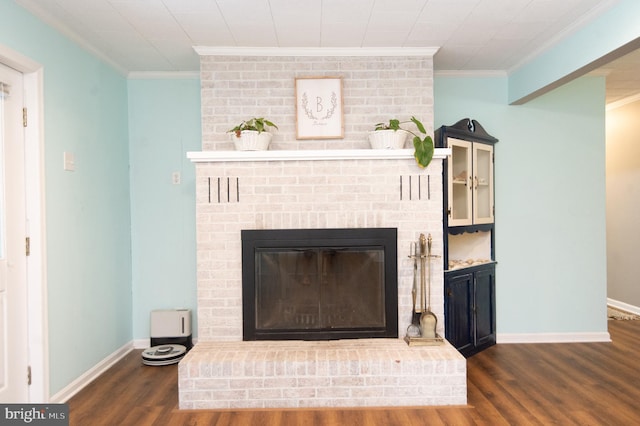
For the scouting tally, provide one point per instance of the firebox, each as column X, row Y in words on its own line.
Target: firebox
column 319, row 284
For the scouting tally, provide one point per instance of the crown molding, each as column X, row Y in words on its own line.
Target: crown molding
column 315, row 51
column 622, row 102
column 470, row 73
column 162, row 75
column 57, row 25
column 593, row 14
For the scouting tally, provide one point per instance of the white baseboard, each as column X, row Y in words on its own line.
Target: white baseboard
column 77, row 385
column 141, row 343
column 623, row 306
column 553, row 337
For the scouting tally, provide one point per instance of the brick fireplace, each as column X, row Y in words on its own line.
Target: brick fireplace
column 312, row 185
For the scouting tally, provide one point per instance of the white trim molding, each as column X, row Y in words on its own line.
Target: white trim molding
column 622, row 102
column 38, row 330
column 318, row 51
column 57, row 24
column 503, row 338
column 36, row 216
column 90, row 375
column 308, row 155
column 142, row 343
column 471, row 73
column 162, row 75
column 623, row 306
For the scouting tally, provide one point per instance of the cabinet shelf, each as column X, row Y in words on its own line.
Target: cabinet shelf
column 458, row 264
column 470, row 269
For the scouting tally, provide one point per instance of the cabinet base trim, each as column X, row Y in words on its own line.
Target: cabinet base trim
column 503, row 338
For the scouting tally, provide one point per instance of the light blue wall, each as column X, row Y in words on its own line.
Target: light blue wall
column 87, row 211
column 164, row 123
column 550, row 200
column 617, row 28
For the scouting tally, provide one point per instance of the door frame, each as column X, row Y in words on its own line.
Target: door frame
column 38, row 341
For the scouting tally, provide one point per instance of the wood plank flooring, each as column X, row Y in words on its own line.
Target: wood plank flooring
column 532, row 384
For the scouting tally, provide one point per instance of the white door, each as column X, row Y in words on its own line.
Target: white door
column 13, row 260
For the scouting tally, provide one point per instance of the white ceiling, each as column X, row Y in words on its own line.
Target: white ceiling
column 472, row 35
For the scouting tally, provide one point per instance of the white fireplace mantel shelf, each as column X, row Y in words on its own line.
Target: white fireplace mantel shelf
column 308, row 155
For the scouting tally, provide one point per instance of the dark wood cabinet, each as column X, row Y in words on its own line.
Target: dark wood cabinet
column 458, row 310
column 485, row 307
column 469, row 236
column 469, row 308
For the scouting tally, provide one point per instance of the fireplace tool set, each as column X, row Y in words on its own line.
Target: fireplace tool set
column 422, row 330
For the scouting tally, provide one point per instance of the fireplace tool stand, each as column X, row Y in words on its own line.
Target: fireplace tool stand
column 422, row 330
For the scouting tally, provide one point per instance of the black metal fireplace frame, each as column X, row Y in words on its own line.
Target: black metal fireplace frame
column 386, row 238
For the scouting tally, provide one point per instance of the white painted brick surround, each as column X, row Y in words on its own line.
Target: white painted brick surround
column 374, row 89
column 224, row 372
column 231, row 197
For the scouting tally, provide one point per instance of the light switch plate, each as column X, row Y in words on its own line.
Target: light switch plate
column 69, row 161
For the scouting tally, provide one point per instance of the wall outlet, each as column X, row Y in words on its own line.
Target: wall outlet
column 175, row 178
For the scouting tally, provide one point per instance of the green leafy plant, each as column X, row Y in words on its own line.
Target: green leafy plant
column 257, row 124
column 422, row 144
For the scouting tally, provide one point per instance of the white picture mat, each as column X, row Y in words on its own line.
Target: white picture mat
column 319, row 108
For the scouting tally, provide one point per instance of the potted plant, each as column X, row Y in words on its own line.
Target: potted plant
column 392, row 135
column 252, row 134
column 388, row 136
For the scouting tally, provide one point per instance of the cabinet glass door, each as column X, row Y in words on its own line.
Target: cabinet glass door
column 482, row 183
column 460, row 182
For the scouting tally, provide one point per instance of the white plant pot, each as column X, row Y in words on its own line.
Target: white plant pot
column 251, row 140
column 387, row 139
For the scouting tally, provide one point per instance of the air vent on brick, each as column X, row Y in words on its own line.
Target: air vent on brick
column 415, row 188
column 224, row 189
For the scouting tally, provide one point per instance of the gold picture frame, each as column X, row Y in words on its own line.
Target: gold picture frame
column 319, row 108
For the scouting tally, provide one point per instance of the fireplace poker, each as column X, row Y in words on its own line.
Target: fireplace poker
column 428, row 320
column 414, row 328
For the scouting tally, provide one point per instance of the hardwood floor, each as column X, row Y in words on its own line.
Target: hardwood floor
column 533, row 384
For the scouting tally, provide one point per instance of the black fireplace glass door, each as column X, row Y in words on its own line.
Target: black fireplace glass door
column 319, row 288
column 319, row 284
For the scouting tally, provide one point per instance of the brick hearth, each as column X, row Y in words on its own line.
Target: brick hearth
column 341, row 373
